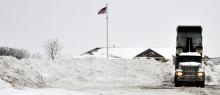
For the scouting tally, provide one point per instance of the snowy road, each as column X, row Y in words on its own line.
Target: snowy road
column 114, row 91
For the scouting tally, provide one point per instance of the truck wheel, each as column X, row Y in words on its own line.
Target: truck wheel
column 177, row 83
column 202, row 84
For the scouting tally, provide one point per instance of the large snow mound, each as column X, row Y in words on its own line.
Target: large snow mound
column 20, row 72
column 91, row 72
column 4, row 84
column 88, row 72
column 213, row 72
column 102, row 72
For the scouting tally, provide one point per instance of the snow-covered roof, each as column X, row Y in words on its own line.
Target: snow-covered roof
column 124, row 53
column 128, row 53
column 165, row 52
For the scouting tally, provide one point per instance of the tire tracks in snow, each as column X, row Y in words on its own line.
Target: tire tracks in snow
column 208, row 90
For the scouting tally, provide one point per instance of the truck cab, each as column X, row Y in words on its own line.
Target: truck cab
column 191, row 69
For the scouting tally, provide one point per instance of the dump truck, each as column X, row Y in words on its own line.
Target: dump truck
column 189, row 68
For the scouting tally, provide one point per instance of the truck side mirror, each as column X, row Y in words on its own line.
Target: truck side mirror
column 205, row 59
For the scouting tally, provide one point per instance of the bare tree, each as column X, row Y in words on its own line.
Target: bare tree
column 53, row 48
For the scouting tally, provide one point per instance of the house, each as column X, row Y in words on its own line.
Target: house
column 160, row 54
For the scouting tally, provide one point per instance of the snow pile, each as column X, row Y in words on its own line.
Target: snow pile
column 213, row 72
column 20, row 72
column 88, row 72
column 92, row 72
column 4, row 84
column 101, row 72
column 216, row 60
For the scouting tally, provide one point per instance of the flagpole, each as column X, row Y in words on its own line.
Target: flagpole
column 107, row 30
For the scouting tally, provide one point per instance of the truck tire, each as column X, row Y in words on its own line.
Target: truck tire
column 177, row 83
column 202, row 84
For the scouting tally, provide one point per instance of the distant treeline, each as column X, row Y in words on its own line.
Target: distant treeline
column 17, row 53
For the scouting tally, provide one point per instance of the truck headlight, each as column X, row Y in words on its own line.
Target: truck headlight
column 178, row 73
column 200, row 74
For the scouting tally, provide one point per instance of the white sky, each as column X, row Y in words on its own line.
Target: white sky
column 132, row 23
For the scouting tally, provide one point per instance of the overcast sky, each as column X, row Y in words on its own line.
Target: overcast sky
column 29, row 24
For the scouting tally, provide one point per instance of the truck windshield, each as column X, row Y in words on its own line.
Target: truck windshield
column 190, row 59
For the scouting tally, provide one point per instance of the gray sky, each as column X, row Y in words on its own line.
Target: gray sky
column 132, row 23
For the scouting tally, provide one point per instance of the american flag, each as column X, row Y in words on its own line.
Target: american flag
column 102, row 11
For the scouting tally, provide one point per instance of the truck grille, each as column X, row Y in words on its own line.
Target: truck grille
column 190, row 70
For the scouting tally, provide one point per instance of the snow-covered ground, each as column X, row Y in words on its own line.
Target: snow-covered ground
column 110, row 91
column 93, row 76
column 88, row 72
column 114, row 91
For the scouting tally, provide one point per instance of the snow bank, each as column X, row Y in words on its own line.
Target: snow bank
column 4, row 84
column 91, row 72
column 88, row 72
column 20, row 72
column 101, row 72
column 213, row 72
